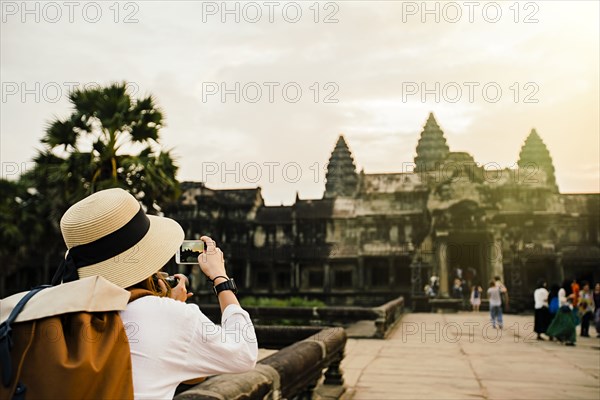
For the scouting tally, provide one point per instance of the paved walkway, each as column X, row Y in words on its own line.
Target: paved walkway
column 460, row 356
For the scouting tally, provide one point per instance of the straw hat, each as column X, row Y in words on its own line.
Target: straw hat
column 108, row 234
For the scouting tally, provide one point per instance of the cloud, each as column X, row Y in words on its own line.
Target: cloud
column 368, row 58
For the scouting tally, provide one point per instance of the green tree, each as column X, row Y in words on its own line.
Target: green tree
column 88, row 150
column 109, row 140
column 21, row 230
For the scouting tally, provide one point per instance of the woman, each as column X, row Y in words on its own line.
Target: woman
column 563, row 325
column 476, row 297
column 541, row 317
column 108, row 234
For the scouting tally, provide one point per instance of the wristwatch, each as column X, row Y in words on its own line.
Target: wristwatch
column 227, row 285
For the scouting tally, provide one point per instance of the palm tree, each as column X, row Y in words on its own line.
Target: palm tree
column 105, row 123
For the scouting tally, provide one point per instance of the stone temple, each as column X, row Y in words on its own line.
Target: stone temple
column 373, row 237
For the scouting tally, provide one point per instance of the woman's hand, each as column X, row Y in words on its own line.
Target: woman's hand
column 211, row 260
column 212, row 264
column 179, row 292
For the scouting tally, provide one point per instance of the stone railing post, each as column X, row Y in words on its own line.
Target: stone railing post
column 307, row 393
column 334, row 374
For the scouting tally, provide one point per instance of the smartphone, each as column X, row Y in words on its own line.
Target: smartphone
column 189, row 251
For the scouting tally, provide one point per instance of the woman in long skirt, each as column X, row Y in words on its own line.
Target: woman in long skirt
column 563, row 325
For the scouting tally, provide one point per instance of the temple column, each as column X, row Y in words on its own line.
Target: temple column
column 559, row 268
column 273, row 283
column 391, row 274
column 248, row 277
column 442, row 261
column 496, row 266
column 360, row 281
column 293, row 277
column 326, row 277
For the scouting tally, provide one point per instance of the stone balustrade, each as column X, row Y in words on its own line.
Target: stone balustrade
column 291, row 373
column 388, row 314
column 383, row 316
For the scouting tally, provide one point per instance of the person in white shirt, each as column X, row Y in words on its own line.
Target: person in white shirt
column 542, row 315
column 494, row 293
column 562, row 297
column 109, row 234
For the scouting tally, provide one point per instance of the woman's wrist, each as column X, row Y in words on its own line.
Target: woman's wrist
column 219, row 279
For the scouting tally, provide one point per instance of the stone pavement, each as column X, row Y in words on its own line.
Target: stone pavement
column 460, row 356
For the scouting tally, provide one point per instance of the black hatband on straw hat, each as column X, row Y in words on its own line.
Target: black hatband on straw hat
column 102, row 249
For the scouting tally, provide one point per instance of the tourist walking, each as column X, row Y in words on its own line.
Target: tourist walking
column 494, row 293
column 542, row 314
column 596, row 297
column 503, row 292
column 476, row 291
column 586, row 308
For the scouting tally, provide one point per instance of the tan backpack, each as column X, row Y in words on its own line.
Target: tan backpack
column 66, row 342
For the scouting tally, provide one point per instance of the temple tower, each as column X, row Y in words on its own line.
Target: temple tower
column 432, row 148
column 341, row 177
column 535, row 154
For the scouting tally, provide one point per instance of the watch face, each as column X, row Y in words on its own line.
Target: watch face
column 233, row 285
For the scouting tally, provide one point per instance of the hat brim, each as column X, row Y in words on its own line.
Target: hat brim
column 139, row 262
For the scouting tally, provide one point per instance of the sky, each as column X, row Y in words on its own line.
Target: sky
column 257, row 93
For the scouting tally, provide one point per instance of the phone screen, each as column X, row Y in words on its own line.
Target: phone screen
column 189, row 251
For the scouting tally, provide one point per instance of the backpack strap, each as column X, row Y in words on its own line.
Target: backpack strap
column 6, row 342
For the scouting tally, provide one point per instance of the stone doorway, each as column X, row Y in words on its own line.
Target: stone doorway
column 468, row 258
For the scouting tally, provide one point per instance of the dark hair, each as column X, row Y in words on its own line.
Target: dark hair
column 553, row 291
column 492, row 283
column 541, row 283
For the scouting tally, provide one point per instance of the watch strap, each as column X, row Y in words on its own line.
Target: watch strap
column 227, row 285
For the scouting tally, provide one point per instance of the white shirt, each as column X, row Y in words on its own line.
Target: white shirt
column 494, row 296
column 172, row 342
column 540, row 297
column 562, row 297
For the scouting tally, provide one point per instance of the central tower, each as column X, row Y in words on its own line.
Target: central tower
column 432, row 148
